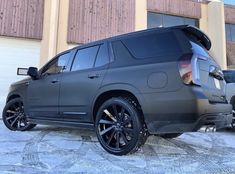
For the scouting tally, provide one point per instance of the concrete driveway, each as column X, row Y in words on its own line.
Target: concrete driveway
column 48, row 149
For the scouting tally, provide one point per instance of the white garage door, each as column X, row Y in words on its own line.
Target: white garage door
column 15, row 53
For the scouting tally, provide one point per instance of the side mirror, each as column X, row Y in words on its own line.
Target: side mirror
column 22, row 71
column 33, row 73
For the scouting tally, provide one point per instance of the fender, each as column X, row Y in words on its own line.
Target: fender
column 119, row 86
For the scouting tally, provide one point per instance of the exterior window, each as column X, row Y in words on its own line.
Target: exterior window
column 102, row 57
column 153, row 45
column 162, row 20
column 230, row 32
column 85, row 58
column 57, row 65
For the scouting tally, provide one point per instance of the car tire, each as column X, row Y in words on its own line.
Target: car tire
column 119, row 126
column 171, row 135
column 14, row 117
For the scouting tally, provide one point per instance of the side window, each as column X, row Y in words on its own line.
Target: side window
column 153, row 45
column 102, row 57
column 57, row 65
column 85, row 58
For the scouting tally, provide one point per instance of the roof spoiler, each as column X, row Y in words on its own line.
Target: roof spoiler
column 200, row 35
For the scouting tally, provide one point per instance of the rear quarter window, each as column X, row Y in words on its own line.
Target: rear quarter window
column 152, row 45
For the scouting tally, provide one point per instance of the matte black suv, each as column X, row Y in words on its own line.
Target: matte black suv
column 157, row 81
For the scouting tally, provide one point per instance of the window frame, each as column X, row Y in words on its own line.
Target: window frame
column 54, row 59
column 93, row 66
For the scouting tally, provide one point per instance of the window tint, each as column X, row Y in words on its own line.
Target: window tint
column 154, row 20
column 230, row 32
column 169, row 20
column 229, row 76
column 163, row 20
column 152, row 45
column 102, row 57
column 57, row 65
column 85, row 58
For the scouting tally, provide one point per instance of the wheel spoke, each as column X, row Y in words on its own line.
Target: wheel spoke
column 13, row 116
column 117, row 139
column 106, row 130
column 12, row 124
column 106, row 122
column 10, row 111
column 124, row 138
column 115, row 111
column 122, row 113
column 18, row 123
column 128, row 130
column 128, row 120
column 110, row 115
column 111, row 137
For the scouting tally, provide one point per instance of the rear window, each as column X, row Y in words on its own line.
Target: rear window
column 229, row 77
column 152, row 45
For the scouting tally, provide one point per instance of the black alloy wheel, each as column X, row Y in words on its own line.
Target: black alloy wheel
column 14, row 116
column 119, row 127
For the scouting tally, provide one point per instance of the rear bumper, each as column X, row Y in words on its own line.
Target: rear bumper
column 186, row 110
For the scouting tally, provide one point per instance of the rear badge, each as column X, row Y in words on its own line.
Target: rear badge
column 217, row 83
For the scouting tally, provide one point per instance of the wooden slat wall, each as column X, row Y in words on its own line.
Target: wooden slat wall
column 229, row 13
column 184, row 8
column 230, row 53
column 21, row 18
column 91, row 20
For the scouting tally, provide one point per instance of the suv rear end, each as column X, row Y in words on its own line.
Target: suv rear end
column 197, row 96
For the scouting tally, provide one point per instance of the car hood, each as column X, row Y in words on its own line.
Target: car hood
column 23, row 81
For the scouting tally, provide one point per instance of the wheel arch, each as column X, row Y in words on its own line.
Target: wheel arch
column 115, row 91
column 12, row 96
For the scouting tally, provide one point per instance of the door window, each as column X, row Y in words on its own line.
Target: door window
column 85, row 58
column 102, row 57
column 57, row 65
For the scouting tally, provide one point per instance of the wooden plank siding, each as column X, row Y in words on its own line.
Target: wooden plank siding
column 230, row 48
column 21, row 18
column 91, row 20
column 183, row 8
column 229, row 14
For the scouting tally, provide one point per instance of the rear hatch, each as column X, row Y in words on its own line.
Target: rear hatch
column 207, row 73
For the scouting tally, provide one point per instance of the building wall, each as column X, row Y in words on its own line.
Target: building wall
column 92, row 20
column 184, row 8
column 229, row 12
column 21, row 18
column 62, row 24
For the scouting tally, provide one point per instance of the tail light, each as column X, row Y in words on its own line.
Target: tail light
column 189, row 69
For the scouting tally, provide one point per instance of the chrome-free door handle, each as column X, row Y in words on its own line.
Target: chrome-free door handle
column 93, row 76
column 54, row 81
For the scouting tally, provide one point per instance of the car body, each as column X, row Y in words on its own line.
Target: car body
column 162, row 79
column 229, row 76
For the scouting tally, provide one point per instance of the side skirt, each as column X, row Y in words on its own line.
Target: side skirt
column 63, row 123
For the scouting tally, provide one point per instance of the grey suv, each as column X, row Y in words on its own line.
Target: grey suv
column 158, row 81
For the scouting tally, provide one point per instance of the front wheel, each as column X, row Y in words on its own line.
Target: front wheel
column 119, row 126
column 14, row 116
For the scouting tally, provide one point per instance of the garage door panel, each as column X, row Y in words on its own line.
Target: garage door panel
column 15, row 53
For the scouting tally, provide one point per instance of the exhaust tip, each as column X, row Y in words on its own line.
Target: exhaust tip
column 208, row 128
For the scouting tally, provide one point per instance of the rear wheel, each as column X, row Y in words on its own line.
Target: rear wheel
column 14, row 116
column 119, row 126
column 171, row 135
